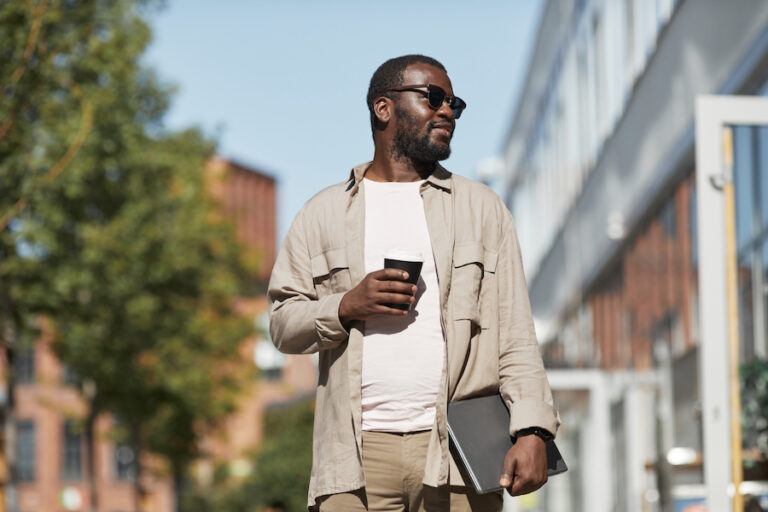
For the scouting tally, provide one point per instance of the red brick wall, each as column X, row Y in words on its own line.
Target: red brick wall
column 49, row 403
column 247, row 197
column 650, row 293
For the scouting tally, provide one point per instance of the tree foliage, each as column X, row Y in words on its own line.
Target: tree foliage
column 754, row 399
column 282, row 465
column 106, row 227
column 284, row 461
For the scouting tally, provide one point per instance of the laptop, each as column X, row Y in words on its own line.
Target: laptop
column 479, row 432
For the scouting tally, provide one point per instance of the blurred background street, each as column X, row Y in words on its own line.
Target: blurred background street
column 153, row 155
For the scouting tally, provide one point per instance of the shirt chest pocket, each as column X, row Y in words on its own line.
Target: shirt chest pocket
column 474, row 283
column 330, row 272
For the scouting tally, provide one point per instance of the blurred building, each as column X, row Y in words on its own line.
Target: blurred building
column 49, row 448
column 599, row 173
column 247, row 196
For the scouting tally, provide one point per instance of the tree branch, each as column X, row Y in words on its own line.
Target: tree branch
column 82, row 133
column 34, row 31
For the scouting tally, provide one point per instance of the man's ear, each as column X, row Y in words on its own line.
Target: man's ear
column 382, row 109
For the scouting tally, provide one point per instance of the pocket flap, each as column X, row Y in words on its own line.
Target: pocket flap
column 475, row 253
column 490, row 258
column 466, row 254
column 331, row 259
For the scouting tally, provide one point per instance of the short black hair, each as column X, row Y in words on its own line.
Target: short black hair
column 390, row 74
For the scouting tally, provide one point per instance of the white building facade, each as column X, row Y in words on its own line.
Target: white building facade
column 600, row 175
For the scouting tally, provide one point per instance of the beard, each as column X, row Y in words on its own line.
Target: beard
column 407, row 144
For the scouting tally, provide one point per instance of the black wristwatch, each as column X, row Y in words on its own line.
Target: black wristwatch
column 543, row 434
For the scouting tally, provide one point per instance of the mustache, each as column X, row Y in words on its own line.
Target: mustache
column 441, row 124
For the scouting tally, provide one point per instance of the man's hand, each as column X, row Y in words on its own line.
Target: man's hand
column 385, row 286
column 525, row 466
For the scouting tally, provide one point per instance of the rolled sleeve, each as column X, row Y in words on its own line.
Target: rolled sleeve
column 299, row 321
column 532, row 413
column 327, row 323
column 522, row 380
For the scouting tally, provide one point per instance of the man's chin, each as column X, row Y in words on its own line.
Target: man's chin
column 432, row 156
column 424, row 149
column 442, row 151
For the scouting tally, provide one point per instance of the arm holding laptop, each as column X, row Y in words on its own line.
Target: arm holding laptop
column 523, row 382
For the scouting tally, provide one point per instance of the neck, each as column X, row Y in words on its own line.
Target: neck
column 388, row 167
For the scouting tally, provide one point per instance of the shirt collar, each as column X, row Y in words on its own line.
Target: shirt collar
column 440, row 177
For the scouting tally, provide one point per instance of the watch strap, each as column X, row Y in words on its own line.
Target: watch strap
column 543, row 434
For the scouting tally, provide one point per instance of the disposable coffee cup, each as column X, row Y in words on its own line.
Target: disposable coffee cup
column 410, row 261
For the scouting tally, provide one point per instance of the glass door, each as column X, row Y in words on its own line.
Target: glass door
column 732, row 191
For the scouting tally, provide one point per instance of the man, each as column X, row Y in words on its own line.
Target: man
column 386, row 375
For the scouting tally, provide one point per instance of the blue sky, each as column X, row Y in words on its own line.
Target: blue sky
column 281, row 84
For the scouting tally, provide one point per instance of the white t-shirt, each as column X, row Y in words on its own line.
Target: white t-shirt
column 403, row 356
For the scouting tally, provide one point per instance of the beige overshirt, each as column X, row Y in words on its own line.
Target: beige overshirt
column 485, row 313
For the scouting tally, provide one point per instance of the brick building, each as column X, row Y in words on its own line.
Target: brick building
column 248, row 197
column 49, row 450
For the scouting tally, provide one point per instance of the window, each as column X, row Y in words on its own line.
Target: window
column 629, row 47
column 669, row 219
column 25, row 451
column 598, row 59
column 749, row 171
column 693, row 232
column 72, row 459
column 124, row 462
column 70, row 378
column 621, row 498
column 24, row 365
column 745, row 185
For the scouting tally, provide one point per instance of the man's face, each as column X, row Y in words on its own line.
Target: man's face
column 422, row 133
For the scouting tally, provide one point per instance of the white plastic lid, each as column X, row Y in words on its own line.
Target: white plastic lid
column 403, row 255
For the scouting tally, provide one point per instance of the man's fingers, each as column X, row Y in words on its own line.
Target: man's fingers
column 397, row 287
column 384, row 310
column 394, row 298
column 526, row 460
column 518, row 486
column 521, row 486
column 525, row 482
column 389, row 273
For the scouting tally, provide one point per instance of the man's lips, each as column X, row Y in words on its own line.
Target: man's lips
column 445, row 128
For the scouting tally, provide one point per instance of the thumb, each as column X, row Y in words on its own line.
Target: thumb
column 510, row 464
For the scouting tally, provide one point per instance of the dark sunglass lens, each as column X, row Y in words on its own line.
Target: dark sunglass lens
column 458, row 106
column 436, row 97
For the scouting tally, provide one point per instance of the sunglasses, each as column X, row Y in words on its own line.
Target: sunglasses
column 435, row 96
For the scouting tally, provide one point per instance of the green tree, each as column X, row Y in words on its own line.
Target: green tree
column 284, row 461
column 282, row 465
column 107, row 230
column 754, row 415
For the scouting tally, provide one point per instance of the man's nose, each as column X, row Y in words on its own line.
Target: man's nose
column 445, row 110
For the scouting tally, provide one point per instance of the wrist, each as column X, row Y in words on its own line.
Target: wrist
column 344, row 315
column 543, row 434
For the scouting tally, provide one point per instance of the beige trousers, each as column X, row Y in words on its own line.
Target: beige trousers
column 394, row 469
